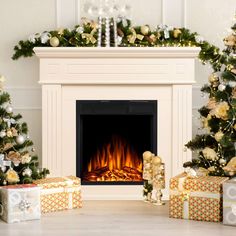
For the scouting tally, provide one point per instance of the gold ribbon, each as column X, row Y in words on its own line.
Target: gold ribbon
column 89, row 38
column 132, row 37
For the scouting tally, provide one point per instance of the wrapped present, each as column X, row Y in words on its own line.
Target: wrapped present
column 196, row 198
column 20, row 203
column 60, row 193
column 229, row 202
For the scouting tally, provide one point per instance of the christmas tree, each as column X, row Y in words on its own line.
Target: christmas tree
column 17, row 164
column 216, row 149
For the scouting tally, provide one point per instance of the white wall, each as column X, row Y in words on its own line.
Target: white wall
column 19, row 19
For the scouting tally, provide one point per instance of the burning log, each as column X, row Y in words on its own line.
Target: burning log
column 131, row 170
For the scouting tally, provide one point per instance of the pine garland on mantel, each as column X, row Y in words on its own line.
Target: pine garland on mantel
column 85, row 35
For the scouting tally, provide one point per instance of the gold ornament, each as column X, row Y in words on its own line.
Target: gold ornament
column 153, row 38
column 7, row 146
column 230, row 40
column 144, row 29
column 54, row 42
column 213, row 78
column 89, row 38
column 176, row 33
column 9, row 133
column 12, row 177
column 60, row 31
column 156, row 160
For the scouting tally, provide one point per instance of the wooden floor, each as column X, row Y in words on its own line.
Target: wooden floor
column 114, row 218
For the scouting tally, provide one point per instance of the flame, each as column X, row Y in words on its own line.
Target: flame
column 114, row 159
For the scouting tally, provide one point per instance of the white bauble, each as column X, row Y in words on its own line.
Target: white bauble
column 2, row 134
column 27, row 172
column 222, row 161
column 54, row 42
column 221, row 87
column 20, row 139
column 9, row 109
column 144, row 29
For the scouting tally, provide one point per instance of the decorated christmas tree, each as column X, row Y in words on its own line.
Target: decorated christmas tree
column 17, row 162
column 216, row 149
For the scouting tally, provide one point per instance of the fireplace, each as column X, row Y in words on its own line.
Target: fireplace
column 119, row 74
column 111, row 137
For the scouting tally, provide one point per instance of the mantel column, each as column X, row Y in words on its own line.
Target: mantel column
column 182, row 126
column 51, row 129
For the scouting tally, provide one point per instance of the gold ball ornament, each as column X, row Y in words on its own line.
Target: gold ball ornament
column 156, row 160
column 144, row 29
column 213, row 78
column 147, row 155
column 54, row 42
column 176, row 33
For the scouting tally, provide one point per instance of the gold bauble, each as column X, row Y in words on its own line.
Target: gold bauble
column 147, row 155
column 176, row 33
column 54, row 42
column 144, row 29
column 156, row 160
column 213, row 78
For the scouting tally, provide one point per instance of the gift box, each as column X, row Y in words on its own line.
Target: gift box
column 196, row 198
column 20, row 203
column 229, row 202
column 60, row 193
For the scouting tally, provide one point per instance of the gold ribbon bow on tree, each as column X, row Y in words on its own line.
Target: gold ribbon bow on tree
column 89, row 38
column 132, row 37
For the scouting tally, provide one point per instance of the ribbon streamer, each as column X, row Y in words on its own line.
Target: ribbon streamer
column 133, row 36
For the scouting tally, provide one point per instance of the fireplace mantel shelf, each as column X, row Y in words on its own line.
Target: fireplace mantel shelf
column 162, row 74
column 119, row 52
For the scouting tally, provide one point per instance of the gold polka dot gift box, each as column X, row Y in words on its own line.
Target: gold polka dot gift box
column 20, row 203
column 60, row 193
column 196, row 198
column 229, row 202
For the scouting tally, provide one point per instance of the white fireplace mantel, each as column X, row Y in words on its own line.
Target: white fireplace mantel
column 70, row 74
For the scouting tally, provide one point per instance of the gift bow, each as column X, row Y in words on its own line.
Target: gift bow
column 165, row 29
column 133, row 36
column 89, row 37
column 24, row 205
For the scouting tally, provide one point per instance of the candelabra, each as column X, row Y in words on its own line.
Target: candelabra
column 107, row 11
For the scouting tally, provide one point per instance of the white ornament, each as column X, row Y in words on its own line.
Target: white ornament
column 9, row 109
column 144, row 29
column 27, row 172
column 32, row 38
column 221, row 87
column 20, row 139
column 222, row 161
column 2, row 134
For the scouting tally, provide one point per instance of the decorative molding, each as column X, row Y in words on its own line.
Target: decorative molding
column 51, row 128
column 119, row 52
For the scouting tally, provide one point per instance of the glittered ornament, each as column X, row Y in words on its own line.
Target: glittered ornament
column 20, row 139
column 221, row 87
column 144, row 29
column 2, row 134
column 54, row 42
column 9, row 109
column 213, row 78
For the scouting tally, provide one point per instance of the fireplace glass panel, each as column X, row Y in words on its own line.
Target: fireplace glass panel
column 111, row 137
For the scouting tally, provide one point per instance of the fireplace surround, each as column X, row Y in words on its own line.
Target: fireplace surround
column 160, row 74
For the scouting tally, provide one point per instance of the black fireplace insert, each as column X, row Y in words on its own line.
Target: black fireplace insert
column 111, row 137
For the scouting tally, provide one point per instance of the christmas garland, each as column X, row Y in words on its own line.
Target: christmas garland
column 216, row 147
column 85, row 35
